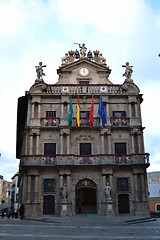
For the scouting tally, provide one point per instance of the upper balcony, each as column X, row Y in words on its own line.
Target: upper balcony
column 84, row 122
column 119, row 121
column 86, row 89
column 49, row 122
column 71, row 159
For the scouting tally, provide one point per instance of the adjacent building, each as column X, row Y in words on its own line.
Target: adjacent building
column 154, row 193
column 14, row 193
column 80, row 141
column 5, row 187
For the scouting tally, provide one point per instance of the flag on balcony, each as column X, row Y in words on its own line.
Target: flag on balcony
column 101, row 112
column 70, row 113
column 78, row 114
column 91, row 117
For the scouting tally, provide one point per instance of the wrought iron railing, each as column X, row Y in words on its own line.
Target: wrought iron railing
column 84, row 122
column 85, row 88
column 72, row 159
column 120, row 121
column 49, row 122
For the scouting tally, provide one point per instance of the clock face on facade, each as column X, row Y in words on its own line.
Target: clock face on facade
column 84, row 71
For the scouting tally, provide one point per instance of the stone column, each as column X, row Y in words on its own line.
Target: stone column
column 103, row 185
column 68, row 143
column 30, row 144
column 109, row 144
column 29, row 112
column 32, row 110
column 111, row 180
column 39, row 110
column 102, row 143
column 129, row 110
column 135, row 187
column 143, row 187
column 26, row 144
column 132, row 143
column 69, row 186
column 62, row 110
column 136, row 110
column 61, row 181
column 28, row 188
column 61, row 141
column 107, row 110
column 37, row 144
column 140, row 142
column 36, row 188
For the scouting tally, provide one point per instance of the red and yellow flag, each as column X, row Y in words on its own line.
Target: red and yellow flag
column 78, row 114
column 91, row 117
column 91, row 113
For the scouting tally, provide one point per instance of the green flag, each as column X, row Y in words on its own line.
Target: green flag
column 70, row 113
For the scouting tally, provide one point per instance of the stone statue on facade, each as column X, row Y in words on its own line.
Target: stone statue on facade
column 39, row 71
column 64, row 192
column 128, row 71
column 107, row 191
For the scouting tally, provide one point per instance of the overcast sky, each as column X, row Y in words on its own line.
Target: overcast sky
column 44, row 30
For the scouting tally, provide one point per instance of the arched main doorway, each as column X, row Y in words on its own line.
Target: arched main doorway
column 86, row 197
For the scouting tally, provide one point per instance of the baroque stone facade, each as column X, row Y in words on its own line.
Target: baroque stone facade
column 80, row 141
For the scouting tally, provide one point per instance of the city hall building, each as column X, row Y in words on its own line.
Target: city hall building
column 80, row 141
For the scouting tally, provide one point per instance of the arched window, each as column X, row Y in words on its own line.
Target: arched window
column 158, row 207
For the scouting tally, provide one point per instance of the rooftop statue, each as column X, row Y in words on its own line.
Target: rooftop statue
column 69, row 57
column 98, row 57
column 83, row 49
column 72, row 56
column 128, row 71
column 65, row 58
column 39, row 71
column 90, row 56
column 76, row 54
column 102, row 59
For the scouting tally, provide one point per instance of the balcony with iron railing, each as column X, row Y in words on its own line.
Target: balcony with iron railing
column 87, row 89
column 84, row 122
column 49, row 122
column 77, row 160
column 119, row 121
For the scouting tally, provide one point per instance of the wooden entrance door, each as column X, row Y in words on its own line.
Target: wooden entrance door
column 48, row 205
column 123, row 203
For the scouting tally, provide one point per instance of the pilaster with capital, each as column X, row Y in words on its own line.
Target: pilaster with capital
column 36, row 187
column 32, row 110
column 28, row 188
column 30, row 143
column 135, row 186
column 37, row 143
column 39, row 110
